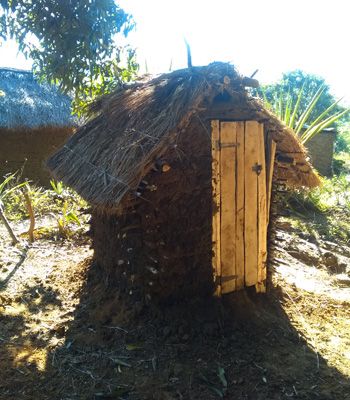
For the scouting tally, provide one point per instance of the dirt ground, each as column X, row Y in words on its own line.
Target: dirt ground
column 63, row 335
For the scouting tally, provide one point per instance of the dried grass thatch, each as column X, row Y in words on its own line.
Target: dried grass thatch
column 26, row 103
column 129, row 128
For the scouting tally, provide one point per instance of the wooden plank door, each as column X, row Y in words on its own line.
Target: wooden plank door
column 240, row 196
column 228, row 143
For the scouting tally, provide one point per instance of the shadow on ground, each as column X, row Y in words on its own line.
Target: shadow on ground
column 243, row 347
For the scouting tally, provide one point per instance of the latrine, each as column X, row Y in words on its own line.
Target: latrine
column 178, row 171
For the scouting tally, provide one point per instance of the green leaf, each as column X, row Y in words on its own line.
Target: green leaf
column 133, row 346
column 57, row 186
column 280, row 105
column 288, row 109
column 326, row 112
column 120, row 362
column 305, row 115
column 5, row 189
column 72, row 217
column 217, row 391
column 311, row 132
column 221, row 375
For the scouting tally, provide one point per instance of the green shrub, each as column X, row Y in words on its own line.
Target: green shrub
column 325, row 209
column 342, row 142
column 61, row 203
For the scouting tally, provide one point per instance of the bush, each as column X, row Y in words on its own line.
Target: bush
column 326, row 208
column 342, row 142
column 61, row 203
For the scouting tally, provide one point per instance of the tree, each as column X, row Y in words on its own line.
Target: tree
column 72, row 42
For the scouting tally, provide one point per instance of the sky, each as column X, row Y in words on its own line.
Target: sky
column 273, row 36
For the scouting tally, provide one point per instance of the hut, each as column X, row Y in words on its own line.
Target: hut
column 178, row 170
column 35, row 119
column 321, row 151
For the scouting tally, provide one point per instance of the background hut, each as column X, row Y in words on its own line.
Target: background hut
column 178, row 170
column 321, row 151
column 35, row 119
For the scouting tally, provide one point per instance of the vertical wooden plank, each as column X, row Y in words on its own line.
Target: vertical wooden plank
column 251, row 203
column 269, row 174
column 228, row 140
column 240, row 207
column 262, row 216
column 215, row 152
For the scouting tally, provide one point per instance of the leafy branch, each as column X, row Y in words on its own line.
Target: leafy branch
column 77, row 45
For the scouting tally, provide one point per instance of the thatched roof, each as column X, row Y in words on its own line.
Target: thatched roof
column 26, row 103
column 128, row 128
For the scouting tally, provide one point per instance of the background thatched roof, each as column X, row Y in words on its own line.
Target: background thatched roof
column 130, row 127
column 24, row 102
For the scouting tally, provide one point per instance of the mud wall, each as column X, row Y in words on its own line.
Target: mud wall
column 27, row 151
column 160, row 247
column 320, row 149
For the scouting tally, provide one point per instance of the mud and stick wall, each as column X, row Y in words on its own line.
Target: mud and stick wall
column 27, row 151
column 160, row 247
column 320, row 149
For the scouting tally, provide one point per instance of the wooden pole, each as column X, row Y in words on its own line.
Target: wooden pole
column 228, row 145
column 240, row 256
column 251, row 202
column 269, row 175
column 216, row 190
column 31, row 215
column 262, row 222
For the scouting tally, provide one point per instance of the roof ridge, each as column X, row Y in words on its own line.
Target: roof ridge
column 22, row 71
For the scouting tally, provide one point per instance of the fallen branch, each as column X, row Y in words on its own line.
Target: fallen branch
column 8, row 227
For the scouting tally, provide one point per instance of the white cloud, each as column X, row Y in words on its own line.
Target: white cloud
column 10, row 56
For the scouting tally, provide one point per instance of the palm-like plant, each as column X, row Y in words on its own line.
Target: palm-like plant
column 288, row 110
